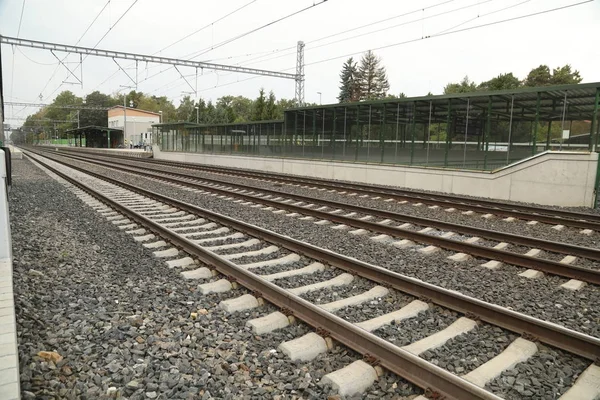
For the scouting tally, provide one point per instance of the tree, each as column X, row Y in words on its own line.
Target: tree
column 373, row 81
column 260, row 107
column 539, row 76
column 349, row 80
column 96, row 117
column 501, row 82
column 271, row 107
column 464, row 86
column 186, row 111
column 564, row 76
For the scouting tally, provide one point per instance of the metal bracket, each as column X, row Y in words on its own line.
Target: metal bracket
column 257, row 294
column 125, row 72
column 529, row 336
column 472, row 316
column 323, row 332
column 286, row 311
column 432, row 394
column 371, row 360
column 67, row 68
column 186, row 81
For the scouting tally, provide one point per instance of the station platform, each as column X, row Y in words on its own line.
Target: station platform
column 134, row 153
column 551, row 178
column 15, row 152
column 9, row 356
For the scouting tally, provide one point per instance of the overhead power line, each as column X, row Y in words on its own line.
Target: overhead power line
column 233, row 39
column 206, row 26
column 115, row 24
column 223, row 43
column 211, row 24
column 440, row 34
column 78, row 40
column 21, row 18
column 93, row 22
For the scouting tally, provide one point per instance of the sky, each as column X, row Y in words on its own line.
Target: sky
column 423, row 44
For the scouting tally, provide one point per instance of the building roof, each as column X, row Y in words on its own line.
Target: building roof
column 93, row 129
column 545, row 102
column 135, row 109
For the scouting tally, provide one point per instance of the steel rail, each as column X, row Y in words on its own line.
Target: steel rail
column 520, row 211
column 413, row 368
column 520, row 260
column 565, row 248
column 547, row 332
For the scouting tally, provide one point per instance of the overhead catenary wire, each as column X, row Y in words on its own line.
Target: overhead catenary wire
column 179, row 40
column 308, row 48
column 12, row 72
column 78, row 40
column 341, row 33
column 206, row 26
column 440, row 34
column 101, row 39
column 233, row 39
column 230, row 40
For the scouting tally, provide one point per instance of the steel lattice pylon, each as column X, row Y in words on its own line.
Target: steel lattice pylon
column 300, row 74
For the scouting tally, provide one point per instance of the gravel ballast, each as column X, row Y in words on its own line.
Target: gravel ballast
column 542, row 298
column 569, row 235
column 120, row 319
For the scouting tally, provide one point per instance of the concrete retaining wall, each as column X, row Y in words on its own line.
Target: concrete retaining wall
column 550, row 178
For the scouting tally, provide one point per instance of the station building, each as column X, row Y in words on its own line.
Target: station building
column 138, row 128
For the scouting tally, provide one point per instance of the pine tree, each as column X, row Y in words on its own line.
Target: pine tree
column 260, row 107
column 373, row 81
column 271, row 107
column 349, row 89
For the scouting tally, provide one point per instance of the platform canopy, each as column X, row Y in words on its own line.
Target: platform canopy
column 97, row 136
column 579, row 100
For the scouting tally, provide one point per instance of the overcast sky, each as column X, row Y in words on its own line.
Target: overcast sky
column 415, row 67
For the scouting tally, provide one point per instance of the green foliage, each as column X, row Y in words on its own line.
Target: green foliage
column 349, row 80
column 464, row 86
column 96, row 117
column 365, row 82
column 541, row 76
column 501, row 82
column 564, row 76
column 260, row 107
column 271, row 107
column 372, row 78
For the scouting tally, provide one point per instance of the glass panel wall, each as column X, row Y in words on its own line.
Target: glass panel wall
column 477, row 130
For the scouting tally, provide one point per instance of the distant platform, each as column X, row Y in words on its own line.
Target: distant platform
column 135, row 153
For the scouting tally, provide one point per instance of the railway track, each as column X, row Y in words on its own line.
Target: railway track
column 556, row 217
column 222, row 243
column 434, row 234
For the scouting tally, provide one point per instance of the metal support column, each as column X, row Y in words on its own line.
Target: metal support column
column 315, row 145
column 413, row 132
column 594, row 144
column 300, row 74
column 358, row 131
column 548, row 135
column 448, row 131
column 487, row 133
column 333, row 134
column 381, row 133
column 536, row 123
